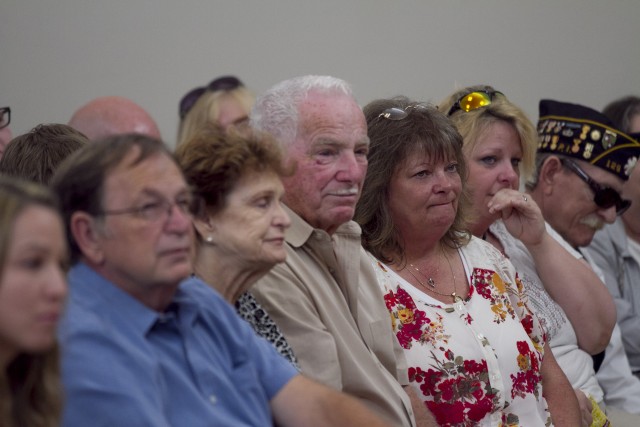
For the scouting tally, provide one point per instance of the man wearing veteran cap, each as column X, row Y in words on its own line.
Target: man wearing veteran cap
column 616, row 249
column 582, row 163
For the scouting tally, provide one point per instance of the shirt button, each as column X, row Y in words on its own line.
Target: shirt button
column 213, row 399
column 480, row 336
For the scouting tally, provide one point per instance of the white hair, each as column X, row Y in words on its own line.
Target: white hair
column 276, row 111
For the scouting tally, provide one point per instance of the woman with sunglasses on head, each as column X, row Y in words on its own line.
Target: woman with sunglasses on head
column 32, row 294
column 575, row 308
column 476, row 354
column 241, row 223
column 225, row 102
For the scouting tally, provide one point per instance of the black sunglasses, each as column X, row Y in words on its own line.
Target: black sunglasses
column 221, row 83
column 5, row 117
column 603, row 196
column 474, row 100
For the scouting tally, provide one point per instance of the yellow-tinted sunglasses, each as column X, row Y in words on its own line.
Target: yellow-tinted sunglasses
column 473, row 100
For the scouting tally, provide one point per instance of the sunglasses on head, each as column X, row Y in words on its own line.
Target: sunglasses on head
column 5, row 117
column 396, row 113
column 221, row 83
column 603, row 196
column 474, row 100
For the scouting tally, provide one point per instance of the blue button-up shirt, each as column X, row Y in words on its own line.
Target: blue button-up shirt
column 196, row 364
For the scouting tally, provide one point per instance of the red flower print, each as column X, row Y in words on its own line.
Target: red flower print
column 390, row 300
column 528, row 380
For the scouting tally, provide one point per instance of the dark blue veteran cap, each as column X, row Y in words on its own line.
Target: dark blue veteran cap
column 583, row 133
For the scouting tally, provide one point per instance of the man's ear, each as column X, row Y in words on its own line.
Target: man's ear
column 86, row 235
column 550, row 171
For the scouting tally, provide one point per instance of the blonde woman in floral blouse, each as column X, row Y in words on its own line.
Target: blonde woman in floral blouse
column 477, row 355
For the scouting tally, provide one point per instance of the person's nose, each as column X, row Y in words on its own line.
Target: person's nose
column 350, row 167
column 56, row 284
column 443, row 181
column 178, row 220
column 608, row 215
column 509, row 175
column 281, row 218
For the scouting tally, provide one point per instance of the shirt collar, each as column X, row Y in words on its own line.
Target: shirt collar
column 103, row 297
column 300, row 230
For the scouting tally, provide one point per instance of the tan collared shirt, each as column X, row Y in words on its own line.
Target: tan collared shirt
column 327, row 302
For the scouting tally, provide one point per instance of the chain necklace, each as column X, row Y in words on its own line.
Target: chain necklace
column 432, row 283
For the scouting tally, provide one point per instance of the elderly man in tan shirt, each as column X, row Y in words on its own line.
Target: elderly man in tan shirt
column 324, row 297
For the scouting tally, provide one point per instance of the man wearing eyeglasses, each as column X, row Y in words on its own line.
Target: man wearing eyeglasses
column 325, row 297
column 5, row 131
column 138, row 347
column 582, row 163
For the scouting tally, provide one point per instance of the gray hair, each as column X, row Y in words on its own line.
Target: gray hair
column 276, row 111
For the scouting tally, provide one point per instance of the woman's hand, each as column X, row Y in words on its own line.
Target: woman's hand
column 585, row 408
column 520, row 214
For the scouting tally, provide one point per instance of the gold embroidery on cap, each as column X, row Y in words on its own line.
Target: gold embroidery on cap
column 595, row 135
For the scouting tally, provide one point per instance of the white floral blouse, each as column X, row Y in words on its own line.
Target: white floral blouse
column 475, row 362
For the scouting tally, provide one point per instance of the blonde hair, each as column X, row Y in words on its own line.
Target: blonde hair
column 472, row 124
column 207, row 110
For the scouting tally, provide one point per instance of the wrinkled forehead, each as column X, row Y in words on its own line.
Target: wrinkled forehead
column 158, row 173
column 330, row 110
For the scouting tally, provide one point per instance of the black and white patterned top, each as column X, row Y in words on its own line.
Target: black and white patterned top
column 251, row 311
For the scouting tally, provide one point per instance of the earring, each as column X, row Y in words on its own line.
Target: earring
column 209, row 239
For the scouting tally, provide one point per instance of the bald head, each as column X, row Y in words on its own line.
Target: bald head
column 113, row 115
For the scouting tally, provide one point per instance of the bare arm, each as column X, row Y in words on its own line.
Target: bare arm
column 303, row 402
column 421, row 413
column 569, row 280
column 556, row 388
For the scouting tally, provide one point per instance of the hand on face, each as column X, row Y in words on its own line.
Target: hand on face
column 520, row 214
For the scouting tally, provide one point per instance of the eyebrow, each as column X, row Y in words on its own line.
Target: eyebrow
column 338, row 143
column 155, row 193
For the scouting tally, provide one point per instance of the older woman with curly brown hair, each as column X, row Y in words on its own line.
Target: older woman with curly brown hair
column 240, row 227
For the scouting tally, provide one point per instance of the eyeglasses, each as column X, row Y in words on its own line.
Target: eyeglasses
column 473, row 101
column 396, row 113
column 159, row 210
column 605, row 197
column 225, row 83
column 5, row 117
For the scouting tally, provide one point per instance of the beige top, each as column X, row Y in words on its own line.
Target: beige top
column 326, row 301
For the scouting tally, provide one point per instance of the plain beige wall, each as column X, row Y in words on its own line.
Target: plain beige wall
column 56, row 55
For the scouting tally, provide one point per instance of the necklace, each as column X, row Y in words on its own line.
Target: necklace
column 432, row 283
